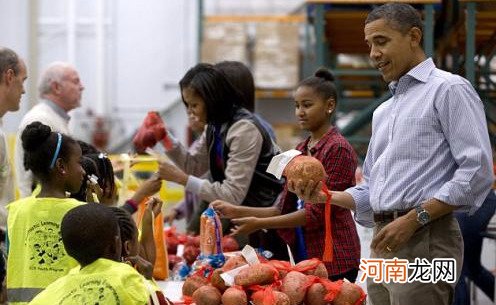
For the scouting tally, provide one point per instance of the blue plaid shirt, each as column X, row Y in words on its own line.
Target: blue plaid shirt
column 429, row 140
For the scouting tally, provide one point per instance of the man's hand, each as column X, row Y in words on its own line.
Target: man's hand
column 170, row 172
column 394, row 235
column 308, row 192
column 245, row 225
column 226, row 209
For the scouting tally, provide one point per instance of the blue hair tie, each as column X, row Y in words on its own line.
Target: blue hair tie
column 57, row 150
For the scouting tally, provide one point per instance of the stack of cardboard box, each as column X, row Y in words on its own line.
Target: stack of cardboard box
column 224, row 41
column 276, row 55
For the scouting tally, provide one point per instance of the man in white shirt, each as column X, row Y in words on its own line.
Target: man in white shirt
column 12, row 77
column 60, row 90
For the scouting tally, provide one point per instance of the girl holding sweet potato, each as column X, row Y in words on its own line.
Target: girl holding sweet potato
column 301, row 224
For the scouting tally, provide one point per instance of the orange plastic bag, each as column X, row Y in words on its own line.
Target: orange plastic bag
column 161, row 266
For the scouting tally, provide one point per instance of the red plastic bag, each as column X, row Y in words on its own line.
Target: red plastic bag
column 151, row 132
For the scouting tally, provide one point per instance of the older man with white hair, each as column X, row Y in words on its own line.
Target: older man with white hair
column 60, row 90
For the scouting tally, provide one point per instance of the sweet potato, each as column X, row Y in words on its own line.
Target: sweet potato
column 207, row 295
column 350, row 293
column 234, row 262
column 217, row 281
column 282, row 267
column 315, row 295
column 305, row 168
column 257, row 274
column 320, row 269
column 234, row 296
column 294, row 285
column 229, row 244
column 280, row 298
column 192, row 283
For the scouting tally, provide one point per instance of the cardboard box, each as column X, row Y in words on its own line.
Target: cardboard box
column 224, row 41
column 276, row 55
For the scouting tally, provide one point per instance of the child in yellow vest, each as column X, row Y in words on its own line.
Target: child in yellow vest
column 36, row 254
column 91, row 235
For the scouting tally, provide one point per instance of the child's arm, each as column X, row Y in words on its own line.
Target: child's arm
column 148, row 188
column 141, row 265
column 147, row 242
column 247, row 225
column 229, row 210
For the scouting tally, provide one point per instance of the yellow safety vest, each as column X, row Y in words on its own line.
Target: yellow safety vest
column 102, row 282
column 36, row 253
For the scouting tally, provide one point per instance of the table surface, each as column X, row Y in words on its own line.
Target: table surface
column 172, row 289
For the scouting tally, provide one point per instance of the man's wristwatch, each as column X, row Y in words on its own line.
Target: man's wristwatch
column 423, row 217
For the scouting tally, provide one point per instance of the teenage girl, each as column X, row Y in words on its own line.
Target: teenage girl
column 300, row 224
column 36, row 253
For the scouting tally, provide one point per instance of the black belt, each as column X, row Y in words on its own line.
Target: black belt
column 389, row 216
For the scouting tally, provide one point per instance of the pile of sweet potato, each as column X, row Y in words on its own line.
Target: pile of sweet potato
column 271, row 283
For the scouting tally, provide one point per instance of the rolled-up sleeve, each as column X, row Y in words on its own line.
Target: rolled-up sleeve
column 364, row 214
column 463, row 122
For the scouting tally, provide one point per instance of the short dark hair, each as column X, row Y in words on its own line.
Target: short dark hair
column 99, row 165
column 8, row 60
column 39, row 143
column 126, row 224
column 88, row 233
column 241, row 78
column 400, row 16
column 322, row 82
column 220, row 97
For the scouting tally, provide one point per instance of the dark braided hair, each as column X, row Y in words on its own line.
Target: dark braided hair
column 39, row 143
column 101, row 166
column 87, row 148
column 128, row 228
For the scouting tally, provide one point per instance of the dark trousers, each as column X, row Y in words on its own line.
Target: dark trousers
column 472, row 227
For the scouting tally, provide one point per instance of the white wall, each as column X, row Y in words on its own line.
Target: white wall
column 148, row 46
column 14, row 34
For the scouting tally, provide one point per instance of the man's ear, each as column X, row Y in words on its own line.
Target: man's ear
column 415, row 36
column 8, row 76
column 55, row 87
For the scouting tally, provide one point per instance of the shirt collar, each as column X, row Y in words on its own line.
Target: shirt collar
column 321, row 142
column 59, row 110
column 420, row 72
